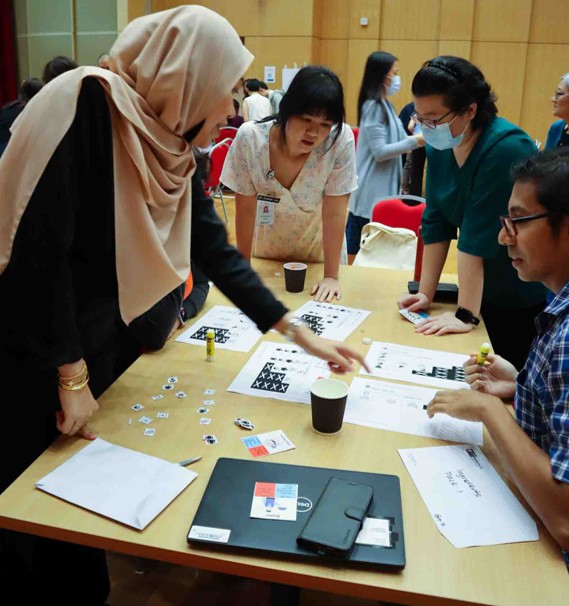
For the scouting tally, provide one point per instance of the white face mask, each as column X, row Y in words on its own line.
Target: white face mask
column 394, row 86
column 441, row 138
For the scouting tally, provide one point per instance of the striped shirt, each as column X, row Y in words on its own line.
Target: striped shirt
column 542, row 393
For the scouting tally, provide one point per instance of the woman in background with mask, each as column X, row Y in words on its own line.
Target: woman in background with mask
column 381, row 143
column 470, row 152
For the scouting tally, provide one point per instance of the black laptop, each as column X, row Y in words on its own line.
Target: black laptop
column 226, row 506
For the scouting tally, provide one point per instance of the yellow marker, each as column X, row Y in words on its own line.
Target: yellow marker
column 483, row 354
column 210, row 345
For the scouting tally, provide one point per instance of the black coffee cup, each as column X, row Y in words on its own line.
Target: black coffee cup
column 328, row 402
column 295, row 275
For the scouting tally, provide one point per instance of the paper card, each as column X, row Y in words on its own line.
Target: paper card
column 331, row 320
column 209, row 392
column 118, row 483
column 467, row 499
column 416, row 365
column 162, row 415
column 208, row 402
column 274, row 501
column 158, row 397
column 137, row 407
column 269, row 443
column 205, row 533
column 149, row 432
column 145, row 420
column 181, row 394
column 205, row 421
column 233, row 329
column 282, row 371
column 172, row 379
column 403, row 408
column 374, row 532
column 414, row 316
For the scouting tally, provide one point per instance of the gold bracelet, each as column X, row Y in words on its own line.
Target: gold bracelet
column 81, row 373
column 75, row 382
column 75, row 385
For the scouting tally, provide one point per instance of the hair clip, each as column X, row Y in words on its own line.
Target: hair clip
column 445, row 68
column 270, row 174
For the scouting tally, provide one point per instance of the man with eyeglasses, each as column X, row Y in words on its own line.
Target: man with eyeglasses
column 534, row 444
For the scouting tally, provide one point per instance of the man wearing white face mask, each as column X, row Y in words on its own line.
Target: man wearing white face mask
column 470, row 152
column 381, row 143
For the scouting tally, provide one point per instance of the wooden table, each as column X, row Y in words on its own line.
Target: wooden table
column 436, row 572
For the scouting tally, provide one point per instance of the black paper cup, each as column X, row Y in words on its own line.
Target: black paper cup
column 328, row 402
column 295, row 274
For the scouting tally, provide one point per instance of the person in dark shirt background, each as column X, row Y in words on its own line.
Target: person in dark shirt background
column 13, row 109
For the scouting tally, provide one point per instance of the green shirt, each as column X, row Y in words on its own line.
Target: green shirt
column 471, row 198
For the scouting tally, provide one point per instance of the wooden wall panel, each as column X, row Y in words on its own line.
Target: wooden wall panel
column 522, row 46
column 364, row 8
column 457, row 18
column 136, row 8
column 546, row 63
column 502, row 20
column 410, row 20
column 411, row 54
column 336, row 19
column 258, row 17
column 458, row 48
column 278, row 51
column 550, row 22
column 358, row 52
column 503, row 65
column 334, row 54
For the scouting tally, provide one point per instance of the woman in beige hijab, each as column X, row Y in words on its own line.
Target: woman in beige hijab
column 98, row 204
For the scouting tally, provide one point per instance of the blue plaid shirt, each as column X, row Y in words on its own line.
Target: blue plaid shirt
column 542, row 394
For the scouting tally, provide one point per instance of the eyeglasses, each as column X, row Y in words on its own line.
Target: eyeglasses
column 429, row 123
column 509, row 223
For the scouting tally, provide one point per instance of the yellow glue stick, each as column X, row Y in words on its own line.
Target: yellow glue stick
column 483, row 354
column 210, row 345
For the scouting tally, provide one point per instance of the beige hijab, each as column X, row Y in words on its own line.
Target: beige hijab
column 166, row 71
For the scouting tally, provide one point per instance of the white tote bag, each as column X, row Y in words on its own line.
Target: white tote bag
column 387, row 247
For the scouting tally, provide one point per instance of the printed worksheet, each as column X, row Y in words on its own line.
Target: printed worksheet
column 414, row 365
column 233, row 329
column 280, row 370
column 403, row 408
column 331, row 321
column 467, row 499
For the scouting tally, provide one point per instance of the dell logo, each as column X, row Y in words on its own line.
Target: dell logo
column 303, row 505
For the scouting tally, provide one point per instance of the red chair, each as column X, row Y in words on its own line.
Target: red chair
column 217, row 155
column 403, row 211
column 226, row 132
column 356, row 132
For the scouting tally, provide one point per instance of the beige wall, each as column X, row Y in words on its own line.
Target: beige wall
column 522, row 46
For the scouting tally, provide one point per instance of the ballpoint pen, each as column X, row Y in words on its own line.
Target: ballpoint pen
column 189, row 461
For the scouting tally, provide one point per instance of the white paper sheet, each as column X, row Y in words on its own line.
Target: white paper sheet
column 233, row 329
column 403, row 408
column 118, row 483
column 280, row 370
column 416, row 365
column 469, row 502
column 331, row 321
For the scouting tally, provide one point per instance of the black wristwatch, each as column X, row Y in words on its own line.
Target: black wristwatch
column 466, row 316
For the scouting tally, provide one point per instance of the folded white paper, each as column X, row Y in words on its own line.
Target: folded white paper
column 118, row 483
column 469, row 502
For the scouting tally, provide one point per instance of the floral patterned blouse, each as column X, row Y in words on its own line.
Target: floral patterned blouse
column 289, row 221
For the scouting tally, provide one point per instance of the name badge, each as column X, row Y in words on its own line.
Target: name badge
column 269, row 199
column 265, row 213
